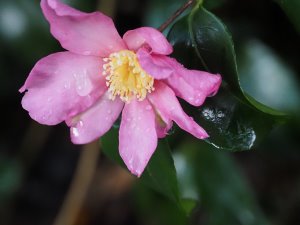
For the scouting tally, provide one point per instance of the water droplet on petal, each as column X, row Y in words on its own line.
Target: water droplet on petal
column 137, row 171
column 75, row 131
column 148, row 107
column 80, row 123
column 83, row 83
column 67, row 85
column 191, row 98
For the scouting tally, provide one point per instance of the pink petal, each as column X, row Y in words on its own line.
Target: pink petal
column 155, row 65
column 193, row 85
column 162, row 125
column 137, row 135
column 150, row 37
column 167, row 105
column 62, row 85
column 96, row 121
column 82, row 33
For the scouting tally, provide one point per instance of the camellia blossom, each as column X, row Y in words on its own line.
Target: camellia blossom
column 102, row 75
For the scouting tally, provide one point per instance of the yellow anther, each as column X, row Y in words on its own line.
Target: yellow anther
column 125, row 77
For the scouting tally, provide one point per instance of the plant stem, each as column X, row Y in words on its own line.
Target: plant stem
column 79, row 186
column 175, row 15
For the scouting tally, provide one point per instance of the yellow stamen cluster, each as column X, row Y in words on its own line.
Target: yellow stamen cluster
column 125, row 77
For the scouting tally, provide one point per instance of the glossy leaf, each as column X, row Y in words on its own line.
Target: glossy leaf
column 160, row 173
column 201, row 41
column 224, row 195
column 231, row 124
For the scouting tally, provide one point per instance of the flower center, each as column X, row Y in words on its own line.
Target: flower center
column 125, row 77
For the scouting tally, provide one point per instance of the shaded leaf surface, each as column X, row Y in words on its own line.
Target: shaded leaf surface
column 231, row 124
column 224, row 194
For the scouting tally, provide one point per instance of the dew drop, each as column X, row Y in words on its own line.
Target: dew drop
column 67, row 85
column 130, row 161
column 191, row 98
column 74, row 131
column 80, row 123
column 83, row 83
column 220, row 114
column 138, row 171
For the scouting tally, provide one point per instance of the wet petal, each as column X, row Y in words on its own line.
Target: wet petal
column 150, row 37
column 137, row 135
column 166, row 103
column 82, row 33
column 62, row 85
column 155, row 65
column 193, row 85
column 162, row 125
column 96, row 121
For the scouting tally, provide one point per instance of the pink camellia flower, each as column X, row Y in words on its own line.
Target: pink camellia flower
column 101, row 75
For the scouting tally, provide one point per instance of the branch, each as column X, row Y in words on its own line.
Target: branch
column 175, row 15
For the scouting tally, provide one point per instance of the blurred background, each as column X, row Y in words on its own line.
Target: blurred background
column 41, row 170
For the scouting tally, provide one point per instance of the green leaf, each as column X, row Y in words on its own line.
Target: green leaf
column 160, row 173
column 231, row 124
column 224, row 194
column 201, row 41
column 291, row 8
